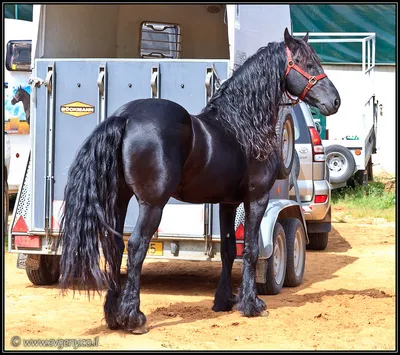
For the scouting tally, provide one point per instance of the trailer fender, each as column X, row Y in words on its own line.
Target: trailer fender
column 276, row 210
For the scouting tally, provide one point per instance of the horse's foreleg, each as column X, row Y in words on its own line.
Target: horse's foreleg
column 224, row 299
column 248, row 302
column 129, row 315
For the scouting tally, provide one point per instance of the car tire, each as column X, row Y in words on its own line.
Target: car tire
column 341, row 163
column 48, row 272
column 285, row 137
column 318, row 241
column 276, row 264
column 296, row 251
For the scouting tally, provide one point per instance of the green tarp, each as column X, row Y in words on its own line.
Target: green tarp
column 378, row 18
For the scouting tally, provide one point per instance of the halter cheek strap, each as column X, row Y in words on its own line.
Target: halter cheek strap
column 312, row 80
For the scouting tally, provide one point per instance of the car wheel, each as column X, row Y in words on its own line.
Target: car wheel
column 276, row 264
column 318, row 241
column 340, row 162
column 285, row 136
column 296, row 251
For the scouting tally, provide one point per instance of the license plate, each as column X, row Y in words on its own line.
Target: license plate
column 155, row 248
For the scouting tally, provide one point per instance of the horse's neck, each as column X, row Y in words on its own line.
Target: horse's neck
column 26, row 102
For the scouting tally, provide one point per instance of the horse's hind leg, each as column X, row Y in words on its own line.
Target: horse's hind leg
column 129, row 315
column 111, row 303
column 224, row 299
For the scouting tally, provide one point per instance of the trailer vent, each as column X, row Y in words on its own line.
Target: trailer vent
column 213, row 8
column 160, row 40
column 25, row 196
column 239, row 219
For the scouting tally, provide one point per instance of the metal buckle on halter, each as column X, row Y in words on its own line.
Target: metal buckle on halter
column 312, row 80
column 290, row 63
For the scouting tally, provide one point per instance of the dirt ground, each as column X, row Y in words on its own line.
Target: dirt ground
column 347, row 301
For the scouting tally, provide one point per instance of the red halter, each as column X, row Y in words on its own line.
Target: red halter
column 312, row 80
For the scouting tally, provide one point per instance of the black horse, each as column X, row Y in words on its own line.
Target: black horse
column 154, row 149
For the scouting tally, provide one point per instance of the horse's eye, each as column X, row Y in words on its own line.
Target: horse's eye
column 309, row 66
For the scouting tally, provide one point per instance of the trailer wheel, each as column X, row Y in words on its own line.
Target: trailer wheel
column 276, row 264
column 341, row 163
column 318, row 241
column 48, row 272
column 285, row 137
column 296, row 251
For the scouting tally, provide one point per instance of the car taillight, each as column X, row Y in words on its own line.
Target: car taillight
column 318, row 148
column 320, row 198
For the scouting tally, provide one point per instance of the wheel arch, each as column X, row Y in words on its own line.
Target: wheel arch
column 277, row 210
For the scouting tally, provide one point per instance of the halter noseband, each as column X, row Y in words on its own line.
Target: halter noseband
column 312, row 80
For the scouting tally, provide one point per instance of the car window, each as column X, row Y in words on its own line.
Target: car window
column 302, row 134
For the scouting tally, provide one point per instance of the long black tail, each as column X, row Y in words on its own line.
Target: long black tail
column 90, row 204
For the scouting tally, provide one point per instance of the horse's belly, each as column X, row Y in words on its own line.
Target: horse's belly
column 213, row 184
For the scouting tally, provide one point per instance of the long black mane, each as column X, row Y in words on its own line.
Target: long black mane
column 247, row 102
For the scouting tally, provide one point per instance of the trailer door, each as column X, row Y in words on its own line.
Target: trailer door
column 253, row 26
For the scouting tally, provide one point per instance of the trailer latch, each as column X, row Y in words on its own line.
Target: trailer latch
column 35, row 82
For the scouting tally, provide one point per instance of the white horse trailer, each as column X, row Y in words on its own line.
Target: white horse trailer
column 91, row 59
column 17, row 70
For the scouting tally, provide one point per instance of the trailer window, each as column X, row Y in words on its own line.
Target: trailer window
column 160, row 40
column 19, row 55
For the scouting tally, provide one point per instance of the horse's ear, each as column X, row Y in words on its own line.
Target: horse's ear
column 305, row 38
column 289, row 40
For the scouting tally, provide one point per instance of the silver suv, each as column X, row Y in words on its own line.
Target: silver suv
column 313, row 177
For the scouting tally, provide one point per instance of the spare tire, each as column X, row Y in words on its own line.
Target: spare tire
column 285, row 135
column 341, row 163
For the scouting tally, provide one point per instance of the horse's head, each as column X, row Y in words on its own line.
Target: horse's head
column 18, row 96
column 305, row 77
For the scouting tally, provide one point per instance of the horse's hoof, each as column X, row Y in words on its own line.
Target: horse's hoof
column 264, row 314
column 140, row 330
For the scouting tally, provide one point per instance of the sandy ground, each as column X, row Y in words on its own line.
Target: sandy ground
column 347, row 301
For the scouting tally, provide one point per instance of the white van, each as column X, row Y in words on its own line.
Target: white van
column 17, row 51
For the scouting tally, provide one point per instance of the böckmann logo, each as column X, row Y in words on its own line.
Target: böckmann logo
column 77, row 109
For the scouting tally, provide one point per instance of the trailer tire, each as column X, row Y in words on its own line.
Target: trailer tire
column 48, row 272
column 341, row 163
column 318, row 241
column 276, row 263
column 296, row 251
column 285, row 138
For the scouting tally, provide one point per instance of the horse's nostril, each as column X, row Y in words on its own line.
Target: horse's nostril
column 336, row 103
